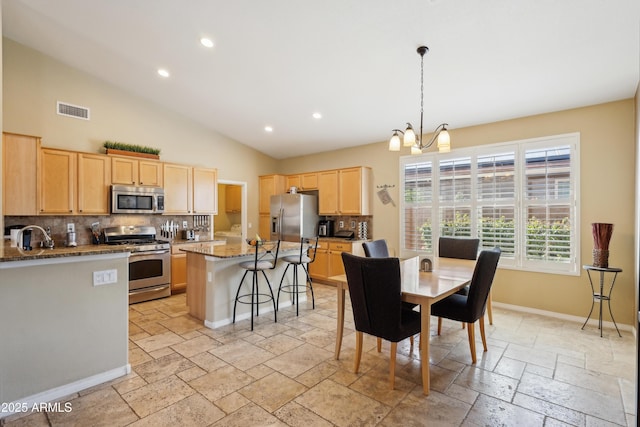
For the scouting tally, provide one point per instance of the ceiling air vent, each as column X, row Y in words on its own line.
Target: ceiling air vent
column 75, row 111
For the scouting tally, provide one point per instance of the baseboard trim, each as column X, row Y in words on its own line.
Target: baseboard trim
column 67, row 389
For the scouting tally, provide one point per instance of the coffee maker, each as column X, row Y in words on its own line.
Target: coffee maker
column 325, row 228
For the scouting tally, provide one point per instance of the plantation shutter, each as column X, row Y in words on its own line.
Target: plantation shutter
column 455, row 197
column 418, row 197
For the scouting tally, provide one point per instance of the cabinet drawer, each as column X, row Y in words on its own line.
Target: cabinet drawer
column 338, row 246
column 323, row 244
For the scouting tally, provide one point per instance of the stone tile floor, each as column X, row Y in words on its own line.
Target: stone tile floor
column 539, row 371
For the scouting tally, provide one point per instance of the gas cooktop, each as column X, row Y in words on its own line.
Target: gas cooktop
column 140, row 238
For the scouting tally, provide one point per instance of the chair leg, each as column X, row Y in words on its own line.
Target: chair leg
column 280, row 286
column 484, row 338
column 472, row 341
column 411, row 340
column 392, row 365
column 489, row 310
column 379, row 345
column 313, row 298
column 439, row 325
column 356, row 361
column 238, row 293
column 273, row 299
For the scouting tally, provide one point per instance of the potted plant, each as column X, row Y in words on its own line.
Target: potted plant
column 120, row 148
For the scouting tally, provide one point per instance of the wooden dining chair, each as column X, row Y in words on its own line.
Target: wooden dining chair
column 378, row 249
column 470, row 308
column 375, row 292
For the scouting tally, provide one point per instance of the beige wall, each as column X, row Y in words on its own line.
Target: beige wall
column 33, row 82
column 607, row 151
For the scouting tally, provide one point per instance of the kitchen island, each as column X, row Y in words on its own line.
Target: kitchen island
column 61, row 333
column 213, row 277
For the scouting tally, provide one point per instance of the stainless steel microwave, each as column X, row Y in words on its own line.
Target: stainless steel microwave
column 137, row 200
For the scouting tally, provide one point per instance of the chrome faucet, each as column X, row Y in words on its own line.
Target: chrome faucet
column 48, row 241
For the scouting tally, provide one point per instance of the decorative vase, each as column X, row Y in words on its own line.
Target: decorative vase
column 601, row 238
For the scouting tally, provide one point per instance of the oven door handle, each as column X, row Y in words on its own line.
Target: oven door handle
column 160, row 252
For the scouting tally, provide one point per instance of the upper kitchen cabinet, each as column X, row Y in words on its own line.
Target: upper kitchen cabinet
column 205, row 191
column 303, row 181
column 57, row 177
column 20, row 182
column 354, row 192
column 345, row 191
column 128, row 171
column 178, row 182
column 328, row 192
column 270, row 185
column 94, row 180
column 233, row 199
column 189, row 190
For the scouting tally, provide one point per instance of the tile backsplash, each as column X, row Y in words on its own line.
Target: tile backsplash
column 58, row 224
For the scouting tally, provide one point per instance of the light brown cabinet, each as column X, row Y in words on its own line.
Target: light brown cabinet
column 233, row 199
column 128, row 171
column 269, row 185
column 20, row 183
column 205, row 191
column 303, row 181
column 328, row 192
column 178, row 270
column 57, row 177
column 264, row 225
column 94, row 179
column 328, row 260
column 178, row 182
column 345, row 191
column 189, row 190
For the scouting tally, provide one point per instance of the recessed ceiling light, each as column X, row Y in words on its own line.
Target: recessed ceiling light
column 206, row 42
column 268, row 129
column 163, row 72
column 317, row 115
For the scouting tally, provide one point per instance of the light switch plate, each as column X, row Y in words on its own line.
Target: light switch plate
column 185, row 225
column 105, row 277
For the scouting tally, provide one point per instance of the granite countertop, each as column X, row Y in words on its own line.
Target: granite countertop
column 235, row 250
column 195, row 242
column 7, row 253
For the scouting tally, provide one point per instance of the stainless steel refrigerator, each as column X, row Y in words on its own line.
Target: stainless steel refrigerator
column 294, row 216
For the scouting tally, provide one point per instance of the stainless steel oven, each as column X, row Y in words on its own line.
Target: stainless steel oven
column 149, row 262
column 149, row 275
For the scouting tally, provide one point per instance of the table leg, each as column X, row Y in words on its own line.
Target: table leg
column 601, row 294
column 425, row 334
column 340, row 319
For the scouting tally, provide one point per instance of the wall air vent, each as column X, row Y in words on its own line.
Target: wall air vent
column 75, row 111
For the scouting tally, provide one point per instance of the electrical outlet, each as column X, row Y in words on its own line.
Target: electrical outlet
column 71, row 228
column 105, row 277
column 185, row 224
column 341, row 224
column 353, row 224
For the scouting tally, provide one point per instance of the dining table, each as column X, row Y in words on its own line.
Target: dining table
column 447, row 276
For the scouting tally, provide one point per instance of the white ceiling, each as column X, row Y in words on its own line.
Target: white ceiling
column 276, row 62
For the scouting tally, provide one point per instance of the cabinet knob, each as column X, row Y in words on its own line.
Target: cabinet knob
column 141, row 183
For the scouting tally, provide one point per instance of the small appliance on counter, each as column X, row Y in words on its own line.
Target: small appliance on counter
column 344, row 234
column 325, row 228
column 188, row 234
column 71, row 235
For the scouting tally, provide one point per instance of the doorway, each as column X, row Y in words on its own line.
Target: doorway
column 231, row 221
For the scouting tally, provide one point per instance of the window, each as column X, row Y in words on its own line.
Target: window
column 520, row 196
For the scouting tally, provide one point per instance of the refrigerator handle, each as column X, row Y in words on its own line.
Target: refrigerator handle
column 280, row 219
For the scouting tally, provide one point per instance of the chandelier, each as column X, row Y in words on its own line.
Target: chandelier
column 410, row 139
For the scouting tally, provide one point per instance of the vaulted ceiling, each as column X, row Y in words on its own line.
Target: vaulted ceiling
column 275, row 63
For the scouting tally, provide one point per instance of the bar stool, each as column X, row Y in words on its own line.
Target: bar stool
column 266, row 257
column 301, row 260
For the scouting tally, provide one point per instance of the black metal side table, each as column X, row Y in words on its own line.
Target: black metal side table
column 600, row 296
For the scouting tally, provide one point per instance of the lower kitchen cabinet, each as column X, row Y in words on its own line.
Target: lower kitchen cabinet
column 328, row 260
column 178, row 270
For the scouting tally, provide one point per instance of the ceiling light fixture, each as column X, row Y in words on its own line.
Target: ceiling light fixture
column 268, row 129
column 317, row 115
column 410, row 138
column 206, row 42
column 162, row 72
